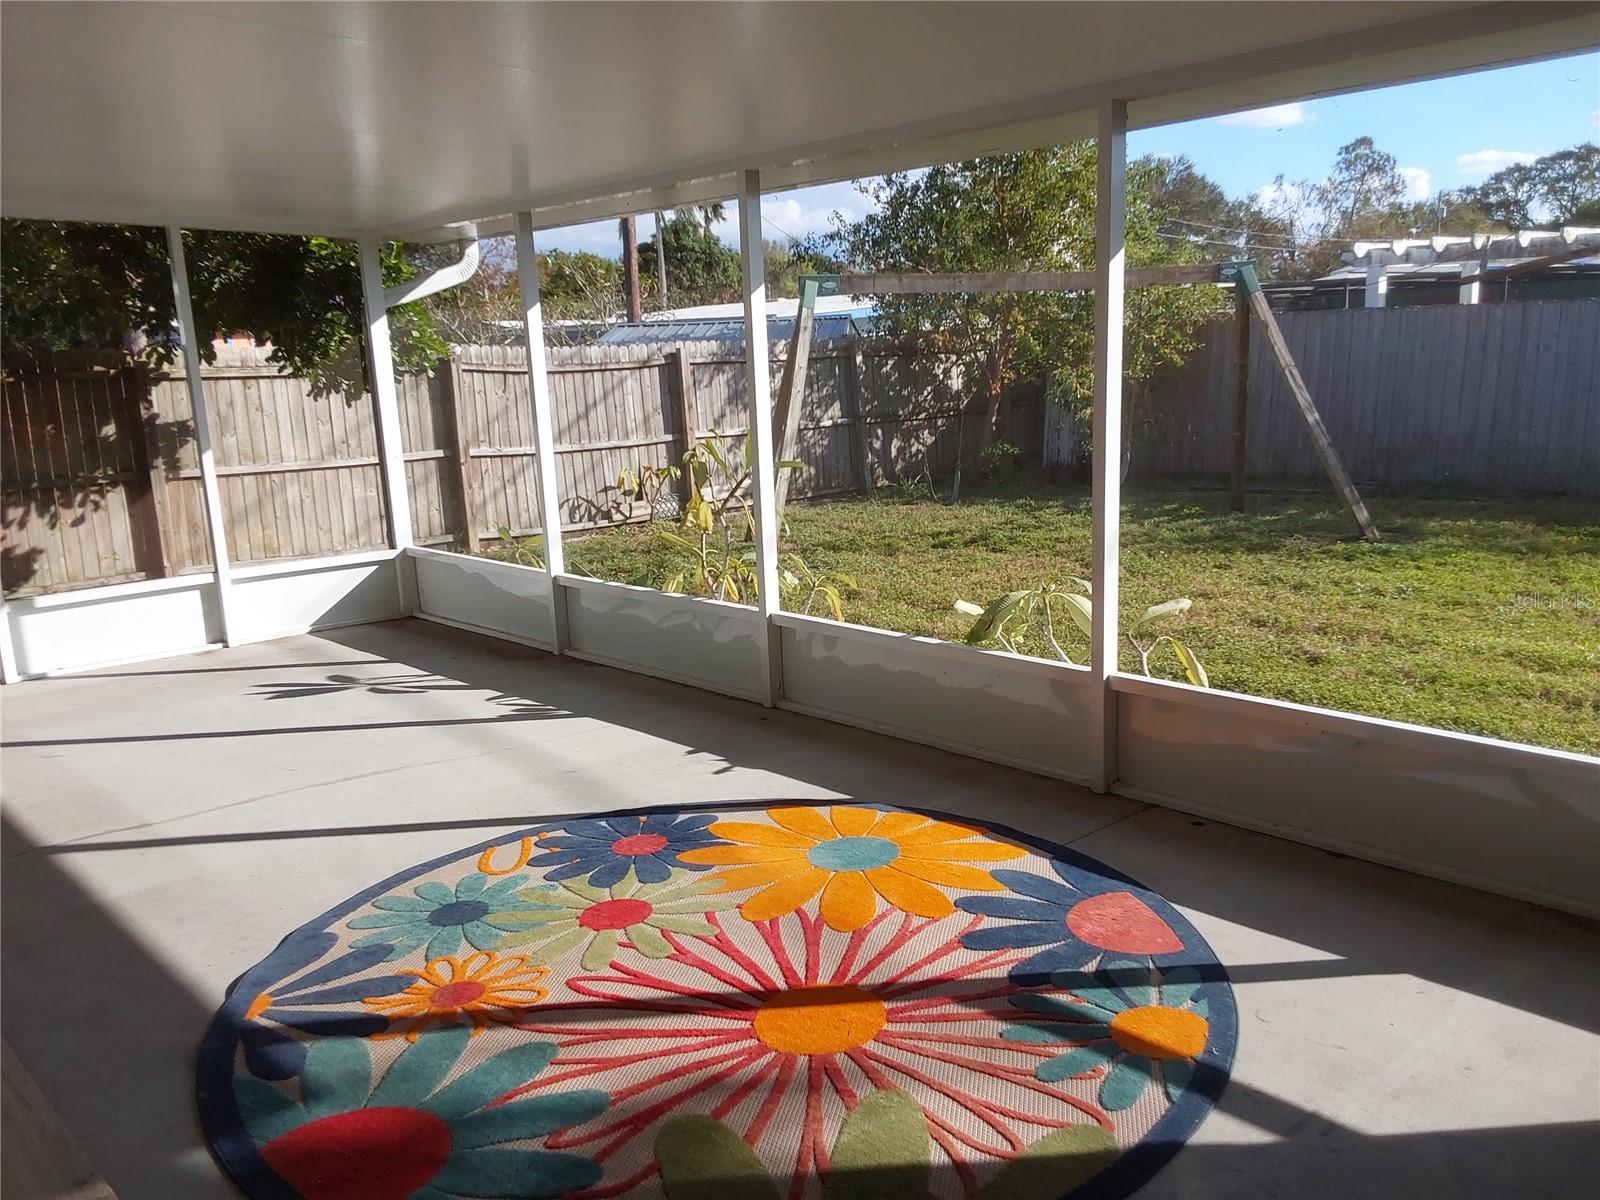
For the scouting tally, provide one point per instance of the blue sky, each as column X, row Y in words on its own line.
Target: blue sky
column 1445, row 133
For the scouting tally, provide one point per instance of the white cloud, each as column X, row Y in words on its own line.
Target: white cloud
column 799, row 213
column 1487, row 162
column 1276, row 196
column 1275, row 117
column 1594, row 118
column 1418, row 182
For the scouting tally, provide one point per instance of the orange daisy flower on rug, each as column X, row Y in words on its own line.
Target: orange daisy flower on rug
column 481, row 988
column 853, row 856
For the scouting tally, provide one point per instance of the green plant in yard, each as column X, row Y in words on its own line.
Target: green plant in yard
column 718, row 572
column 525, row 552
column 705, row 513
column 999, row 460
column 802, row 586
column 1030, row 612
column 646, row 482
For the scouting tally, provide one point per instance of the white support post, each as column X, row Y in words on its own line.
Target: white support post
column 544, row 430
column 190, row 337
column 1110, row 227
column 758, row 385
column 1377, row 291
column 386, row 399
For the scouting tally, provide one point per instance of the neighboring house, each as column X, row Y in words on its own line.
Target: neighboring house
column 837, row 317
column 1411, row 271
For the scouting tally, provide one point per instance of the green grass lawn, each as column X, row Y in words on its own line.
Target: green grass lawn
column 1475, row 615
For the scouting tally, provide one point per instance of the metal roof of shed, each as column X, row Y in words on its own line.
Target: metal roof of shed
column 401, row 119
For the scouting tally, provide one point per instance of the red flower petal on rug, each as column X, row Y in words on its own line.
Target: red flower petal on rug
column 1121, row 921
column 367, row 1154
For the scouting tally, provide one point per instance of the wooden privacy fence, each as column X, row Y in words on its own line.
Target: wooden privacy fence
column 869, row 416
column 1495, row 398
column 101, row 482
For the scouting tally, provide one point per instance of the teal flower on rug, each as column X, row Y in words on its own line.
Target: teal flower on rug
column 574, row 913
column 1126, row 1022
column 413, row 1135
column 435, row 915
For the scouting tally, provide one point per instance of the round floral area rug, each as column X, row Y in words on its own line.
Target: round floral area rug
column 795, row 1001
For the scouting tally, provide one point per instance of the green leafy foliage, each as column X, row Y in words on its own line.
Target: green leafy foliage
column 1032, row 612
column 69, row 285
column 701, row 267
column 1030, row 211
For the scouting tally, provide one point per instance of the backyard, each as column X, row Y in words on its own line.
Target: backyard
column 1477, row 615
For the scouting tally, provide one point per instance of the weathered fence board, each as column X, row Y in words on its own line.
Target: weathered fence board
column 1497, row 398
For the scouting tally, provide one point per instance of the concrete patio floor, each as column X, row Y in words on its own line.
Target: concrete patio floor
column 166, row 823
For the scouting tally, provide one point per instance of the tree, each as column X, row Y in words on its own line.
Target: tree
column 1195, row 209
column 67, row 286
column 707, row 214
column 1562, row 188
column 1016, row 212
column 701, row 269
column 787, row 261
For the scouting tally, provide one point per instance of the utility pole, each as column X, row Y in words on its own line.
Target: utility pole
column 661, row 257
column 630, row 270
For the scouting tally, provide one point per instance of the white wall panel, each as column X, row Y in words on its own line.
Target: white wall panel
column 1511, row 819
column 69, row 631
column 701, row 642
column 279, row 599
column 1021, row 711
column 501, row 599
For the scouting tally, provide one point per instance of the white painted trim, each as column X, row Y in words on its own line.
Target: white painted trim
column 1327, row 720
column 302, row 566
column 935, row 647
column 965, row 749
column 441, row 280
column 111, row 591
column 544, row 428
column 485, row 631
column 758, row 386
column 1111, row 228
column 385, row 398
column 1361, row 850
column 216, row 529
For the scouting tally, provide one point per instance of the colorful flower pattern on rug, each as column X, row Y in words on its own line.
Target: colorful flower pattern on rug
column 1126, row 1022
column 573, row 913
column 413, row 1136
column 440, row 918
column 480, row 989
column 606, row 850
column 822, row 1002
column 1067, row 922
column 852, row 857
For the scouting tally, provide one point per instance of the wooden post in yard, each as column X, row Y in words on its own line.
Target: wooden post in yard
column 1241, row 397
column 1243, row 275
column 683, row 385
column 630, row 270
column 792, row 391
column 461, row 422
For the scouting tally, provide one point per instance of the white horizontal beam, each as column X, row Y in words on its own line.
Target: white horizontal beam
column 916, row 283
